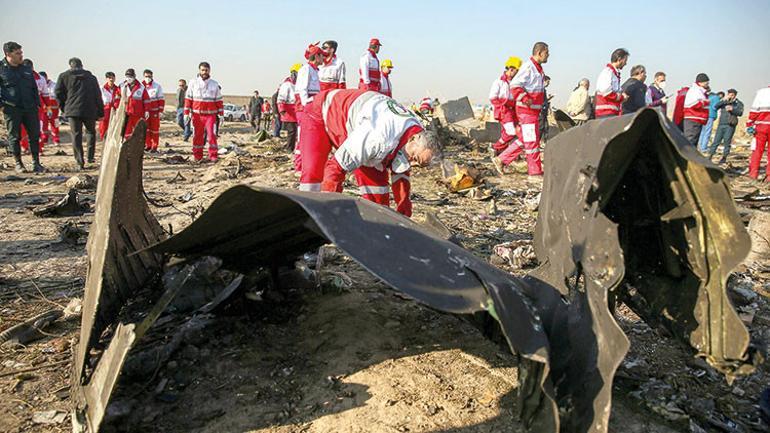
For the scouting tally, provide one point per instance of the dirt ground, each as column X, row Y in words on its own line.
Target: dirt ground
column 353, row 356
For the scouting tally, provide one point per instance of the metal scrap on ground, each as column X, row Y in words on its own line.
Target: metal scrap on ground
column 629, row 211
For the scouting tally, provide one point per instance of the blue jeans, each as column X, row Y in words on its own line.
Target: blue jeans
column 724, row 136
column 705, row 135
column 180, row 121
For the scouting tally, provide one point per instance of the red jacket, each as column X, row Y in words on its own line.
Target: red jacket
column 679, row 106
column 696, row 105
column 138, row 100
column 369, row 71
column 528, row 89
column 759, row 116
column 110, row 97
column 203, row 98
column 501, row 98
column 609, row 94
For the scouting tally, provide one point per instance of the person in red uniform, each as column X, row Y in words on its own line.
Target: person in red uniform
column 386, row 87
column 42, row 89
column 331, row 72
column 306, row 87
column 528, row 92
column 137, row 103
column 373, row 136
column 111, row 100
column 369, row 67
column 51, row 117
column 609, row 92
column 696, row 109
column 156, row 107
column 203, row 105
column 759, row 125
column 503, row 109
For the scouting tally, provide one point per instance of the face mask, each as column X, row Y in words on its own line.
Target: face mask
column 662, row 85
column 130, row 80
column 148, row 80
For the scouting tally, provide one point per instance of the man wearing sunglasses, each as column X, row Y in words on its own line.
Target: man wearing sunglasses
column 332, row 71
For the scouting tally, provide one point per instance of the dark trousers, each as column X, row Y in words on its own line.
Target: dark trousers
column 255, row 121
column 76, row 129
column 277, row 125
column 185, row 126
column 14, row 119
column 724, row 136
column 692, row 131
column 291, row 134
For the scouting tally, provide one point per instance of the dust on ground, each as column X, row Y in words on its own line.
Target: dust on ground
column 354, row 357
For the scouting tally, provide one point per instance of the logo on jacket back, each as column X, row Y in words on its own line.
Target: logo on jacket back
column 397, row 108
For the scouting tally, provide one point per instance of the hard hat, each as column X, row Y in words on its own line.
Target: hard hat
column 513, row 62
column 387, row 63
column 295, row 67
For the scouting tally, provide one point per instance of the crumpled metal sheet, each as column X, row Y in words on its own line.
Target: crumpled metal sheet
column 626, row 204
column 631, row 211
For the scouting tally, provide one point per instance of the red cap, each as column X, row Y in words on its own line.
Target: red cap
column 313, row 49
column 374, row 41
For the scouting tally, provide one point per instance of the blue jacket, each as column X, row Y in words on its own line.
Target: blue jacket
column 713, row 101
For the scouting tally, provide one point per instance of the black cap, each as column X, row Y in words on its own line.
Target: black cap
column 130, row 72
column 702, row 78
column 733, row 91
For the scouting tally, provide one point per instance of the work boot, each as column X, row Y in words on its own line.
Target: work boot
column 723, row 160
column 20, row 167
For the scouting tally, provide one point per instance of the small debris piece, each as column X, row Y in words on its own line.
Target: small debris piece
column 464, row 177
column 518, row 253
column 49, row 417
column 71, row 234
column 29, row 330
column 68, row 205
column 175, row 159
column 81, row 182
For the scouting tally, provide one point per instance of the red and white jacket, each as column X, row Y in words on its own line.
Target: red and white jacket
column 369, row 71
column 696, row 105
column 609, row 94
column 367, row 128
column 138, row 100
column 527, row 87
column 501, row 98
column 759, row 116
column 52, row 102
column 307, row 85
column 332, row 74
column 110, row 97
column 385, row 87
column 203, row 98
column 157, row 101
column 286, row 101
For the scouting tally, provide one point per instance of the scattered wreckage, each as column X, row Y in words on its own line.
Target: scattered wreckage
column 629, row 212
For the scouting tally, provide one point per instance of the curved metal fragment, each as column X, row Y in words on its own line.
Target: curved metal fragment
column 123, row 224
column 270, row 226
column 629, row 209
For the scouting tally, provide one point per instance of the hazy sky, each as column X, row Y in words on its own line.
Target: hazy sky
column 445, row 49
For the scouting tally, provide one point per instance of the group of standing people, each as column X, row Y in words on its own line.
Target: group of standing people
column 31, row 103
column 696, row 107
